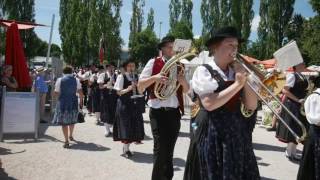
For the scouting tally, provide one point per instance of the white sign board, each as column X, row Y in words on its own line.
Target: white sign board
column 19, row 113
column 182, row 45
column 288, row 56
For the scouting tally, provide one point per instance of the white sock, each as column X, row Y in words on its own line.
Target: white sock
column 291, row 149
column 289, row 152
column 126, row 147
column 97, row 115
column 107, row 128
column 294, row 150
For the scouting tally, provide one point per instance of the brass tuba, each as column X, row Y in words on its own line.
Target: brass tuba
column 171, row 69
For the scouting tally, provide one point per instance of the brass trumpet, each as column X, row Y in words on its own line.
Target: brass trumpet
column 264, row 80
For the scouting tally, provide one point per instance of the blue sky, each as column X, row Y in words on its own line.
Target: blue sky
column 44, row 10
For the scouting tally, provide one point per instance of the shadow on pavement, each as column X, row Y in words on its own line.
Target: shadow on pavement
column 5, row 176
column 88, row 146
column 266, row 147
column 140, row 157
column 265, row 178
column 20, row 139
column 4, row 151
column 184, row 134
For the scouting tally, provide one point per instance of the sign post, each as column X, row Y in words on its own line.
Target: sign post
column 19, row 113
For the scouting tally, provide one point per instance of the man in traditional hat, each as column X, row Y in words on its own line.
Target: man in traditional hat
column 41, row 86
column 164, row 115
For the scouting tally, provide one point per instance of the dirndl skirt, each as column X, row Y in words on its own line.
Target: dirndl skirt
column 221, row 148
column 310, row 163
column 128, row 126
column 65, row 118
column 282, row 133
column 108, row 105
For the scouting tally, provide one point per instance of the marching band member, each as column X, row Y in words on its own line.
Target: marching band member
column 94, row 101
column 108, row 97
column 221, row 147
column 164, row 115
column 128, row 126
column 310, row 163
column 84, row 77
column 295, row 91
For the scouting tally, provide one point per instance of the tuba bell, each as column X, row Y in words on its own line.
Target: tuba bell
column 171, row 69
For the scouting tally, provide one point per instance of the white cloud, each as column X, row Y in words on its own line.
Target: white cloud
column 129, row 13
column 255, row 23
column 196, row 36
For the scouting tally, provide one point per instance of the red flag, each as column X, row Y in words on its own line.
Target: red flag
column 101, row 55
column 15, row 57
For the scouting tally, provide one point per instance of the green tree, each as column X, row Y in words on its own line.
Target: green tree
column 315, row 5
column 310, row 38
column 175, row 12
column 150, row 20
column 218, row 13
column 82, row 25
column 181, row 30
column 136, row 19
column 186, row 12
column 144, row 46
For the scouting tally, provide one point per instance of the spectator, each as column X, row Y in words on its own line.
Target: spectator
column 41, row 86
column 8, row 80
column 66, row 113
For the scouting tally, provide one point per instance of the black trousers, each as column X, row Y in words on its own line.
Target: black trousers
column 165, row 125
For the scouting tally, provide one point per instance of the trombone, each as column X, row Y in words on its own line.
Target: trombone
column 257, row 77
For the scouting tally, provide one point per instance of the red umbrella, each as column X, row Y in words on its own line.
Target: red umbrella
column 15, row 57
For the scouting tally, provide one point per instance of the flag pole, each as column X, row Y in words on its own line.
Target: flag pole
column 50, row 41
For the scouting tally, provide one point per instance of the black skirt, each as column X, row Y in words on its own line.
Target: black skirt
column 128, row 126
column 282, row 133
column 108, row 106
column 221, row 148
column 95, row 99
column 310, row 163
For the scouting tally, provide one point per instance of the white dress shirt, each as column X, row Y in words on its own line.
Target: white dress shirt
column 312, row 108
column 118, row 86
column 85, row 76
column 202, row 82
column 58, row 84
column 101, row 78
column 290, row 80
column 172, row 101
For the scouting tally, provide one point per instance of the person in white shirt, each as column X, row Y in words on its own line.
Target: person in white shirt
column 109, row 97
column 294, row 91
column 164, row 115
column 84, row 77
column 310, row 162
column 94, row 102
column 66, row 113
column 221, row 147
column 128, row 126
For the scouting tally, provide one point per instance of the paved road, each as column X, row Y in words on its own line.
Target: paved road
column 95, row 157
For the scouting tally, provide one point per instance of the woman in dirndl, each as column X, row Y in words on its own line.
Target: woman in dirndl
column 128, row 127
column 221, row 147
column 310, row 162
column 295, row 91
column 95, row 94
column 66, row 113
column 109, row 98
